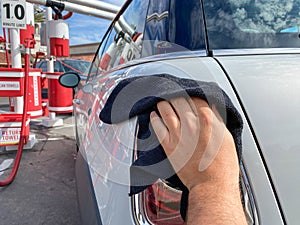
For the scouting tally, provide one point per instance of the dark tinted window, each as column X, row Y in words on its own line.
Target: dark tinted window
column 58, row 67
column 252, row 24
column 67, row 65
column 173, row 25
column 186, row 25
column 42, row 65
column 78, row 66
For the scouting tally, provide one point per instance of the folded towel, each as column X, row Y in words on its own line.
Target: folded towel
column 138, row 96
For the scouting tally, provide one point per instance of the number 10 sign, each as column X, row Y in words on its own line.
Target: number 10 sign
column 13, row 13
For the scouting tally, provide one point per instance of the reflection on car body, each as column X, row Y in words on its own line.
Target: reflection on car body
column 251, row 49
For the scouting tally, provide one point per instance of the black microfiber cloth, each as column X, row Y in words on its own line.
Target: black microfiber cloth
column 138, row 96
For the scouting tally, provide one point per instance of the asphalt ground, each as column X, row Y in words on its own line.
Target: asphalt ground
column 44, row 191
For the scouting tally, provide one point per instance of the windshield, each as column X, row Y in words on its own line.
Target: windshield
column 252, row 23
column 78, row 66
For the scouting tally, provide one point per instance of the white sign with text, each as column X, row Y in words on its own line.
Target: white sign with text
column 13, row 13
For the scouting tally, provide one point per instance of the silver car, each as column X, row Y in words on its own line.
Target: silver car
column 251, row 49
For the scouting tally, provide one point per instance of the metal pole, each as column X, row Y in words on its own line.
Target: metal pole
column 15, row 48
column 50, row 62
column 93, row 8
column 16, row 102
column 16, row 57
column 79, row 9
column 98, row 9
column 88, row 11
column 6, row 48
column 97, row 5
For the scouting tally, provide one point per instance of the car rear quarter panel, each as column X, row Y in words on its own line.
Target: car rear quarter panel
column 112, row 194
column 268, row 86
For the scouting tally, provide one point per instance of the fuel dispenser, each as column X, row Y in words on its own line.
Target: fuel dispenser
column 16, row 125
column 59, row 38
column 59, row 97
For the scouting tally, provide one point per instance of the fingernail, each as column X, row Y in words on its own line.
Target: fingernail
column 153, row 114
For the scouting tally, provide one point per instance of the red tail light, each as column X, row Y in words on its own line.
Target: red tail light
column 162, row 204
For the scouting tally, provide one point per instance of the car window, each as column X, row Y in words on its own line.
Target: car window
column 58, row 67
column 252, row 24
column 42, row 65
column 123, row 42
column 78, row 66
column 172, row 26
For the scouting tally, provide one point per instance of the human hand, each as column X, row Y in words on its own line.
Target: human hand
column 197, row 143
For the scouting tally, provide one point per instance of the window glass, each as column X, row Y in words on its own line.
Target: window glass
column 186, row 24
column 58, row 67
column 123, row 43
column 252, row 24
column 79, row 66
column 172, row 26
column 42, row 65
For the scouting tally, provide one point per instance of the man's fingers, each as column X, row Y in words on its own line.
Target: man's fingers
column 168, row 116
column 183, row 109
column 160, row 129
column 199, row 103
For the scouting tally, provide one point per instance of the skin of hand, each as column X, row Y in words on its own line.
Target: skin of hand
column 202, row 152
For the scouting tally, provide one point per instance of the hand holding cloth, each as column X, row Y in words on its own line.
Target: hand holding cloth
column 138, row 96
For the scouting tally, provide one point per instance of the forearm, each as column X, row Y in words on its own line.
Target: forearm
column 209, row 204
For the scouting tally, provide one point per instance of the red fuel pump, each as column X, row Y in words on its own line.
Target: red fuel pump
column 59, row 38
column 28, row 43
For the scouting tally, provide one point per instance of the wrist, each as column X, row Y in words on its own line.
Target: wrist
column 221, row 204
column 223, row 183
column 215, row 189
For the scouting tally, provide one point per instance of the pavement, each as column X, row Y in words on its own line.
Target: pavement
column 44, row 191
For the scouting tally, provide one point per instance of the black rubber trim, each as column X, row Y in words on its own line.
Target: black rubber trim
column 255, row 139
column 58, row 5
column 208, row 51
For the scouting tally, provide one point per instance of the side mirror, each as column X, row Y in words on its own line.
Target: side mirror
column 69, row 80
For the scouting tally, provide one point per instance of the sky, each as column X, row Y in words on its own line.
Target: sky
column 85, row 29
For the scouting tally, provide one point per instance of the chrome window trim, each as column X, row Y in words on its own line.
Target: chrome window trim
column 167, row 56
column 250, row 195
column 175, row 55
column 255, row 51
